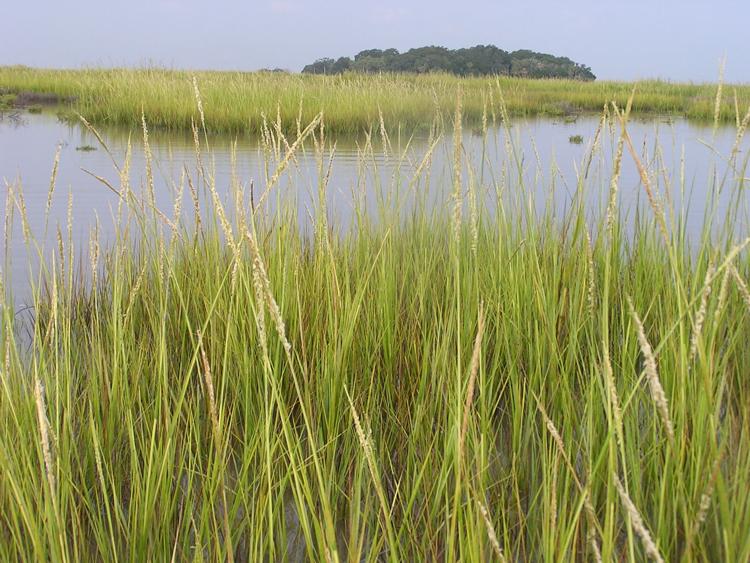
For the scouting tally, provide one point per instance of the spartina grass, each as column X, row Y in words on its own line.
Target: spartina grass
column 649, row 360
column 100, row 140
column 264, row 294
column 719, row 92
column 473, row 212
column 8, row 218
column 741, row 130
column 723, row 294
column 494, row 542
column 736, row 108
column 44, row 435
column 705, row 502
column 365, row 441
column 653, row 197
column 700, row 314
column 288, row 157
column 216, row 431
column 199, row 103
column 94, row 249
column 52, row 184
column 588, row 507
column 149, row 166
column 609, row 379
column 263, row 291
column 470, row 388
column 591, row 287
column 559, row 443
column 210, row 395
column 647, row 541
column 614, row 183
column 383, row 133
column 741, row 286
column 21, row 203
column 457, row 169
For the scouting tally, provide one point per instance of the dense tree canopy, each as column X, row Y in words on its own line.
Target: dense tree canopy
column 474, row 61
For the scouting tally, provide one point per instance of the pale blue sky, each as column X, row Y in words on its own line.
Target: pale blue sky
column 674, row 39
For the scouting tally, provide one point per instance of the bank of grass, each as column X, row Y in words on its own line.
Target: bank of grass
column 236, row 102
column 7, row 101
column 472, row 380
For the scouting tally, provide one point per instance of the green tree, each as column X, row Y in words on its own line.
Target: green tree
column 481, row 60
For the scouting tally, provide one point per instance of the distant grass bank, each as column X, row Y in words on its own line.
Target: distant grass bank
column 236, row 101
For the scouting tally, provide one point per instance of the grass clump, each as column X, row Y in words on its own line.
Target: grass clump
column 576, row 139
column 468, row 380
column 7, row 101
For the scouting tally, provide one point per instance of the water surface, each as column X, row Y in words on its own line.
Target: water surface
column 676, row 152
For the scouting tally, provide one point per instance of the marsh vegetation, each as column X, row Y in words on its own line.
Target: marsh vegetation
column 236, row 102
column 466, row 377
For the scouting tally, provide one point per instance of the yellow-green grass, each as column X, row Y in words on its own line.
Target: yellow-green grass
column 472, row 381
column 236, row 101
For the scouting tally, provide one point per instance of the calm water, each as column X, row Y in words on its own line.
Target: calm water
column 550, row 164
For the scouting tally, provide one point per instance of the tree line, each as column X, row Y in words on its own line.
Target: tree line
column 481, row 60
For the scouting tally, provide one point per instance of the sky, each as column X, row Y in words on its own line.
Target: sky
column 682, row 40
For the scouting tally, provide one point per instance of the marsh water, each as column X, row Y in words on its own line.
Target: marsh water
column 542, row 154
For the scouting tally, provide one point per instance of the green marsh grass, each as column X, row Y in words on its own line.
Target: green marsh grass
column 475, row 380
column 352, row 103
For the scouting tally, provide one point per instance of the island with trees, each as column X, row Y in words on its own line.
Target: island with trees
column 481, row 60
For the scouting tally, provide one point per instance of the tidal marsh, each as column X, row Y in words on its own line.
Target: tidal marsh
column 475, row 379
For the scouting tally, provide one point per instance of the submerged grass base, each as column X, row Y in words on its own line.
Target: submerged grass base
column 487, row 385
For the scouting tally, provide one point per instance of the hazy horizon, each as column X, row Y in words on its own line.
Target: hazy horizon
column 673, row 40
